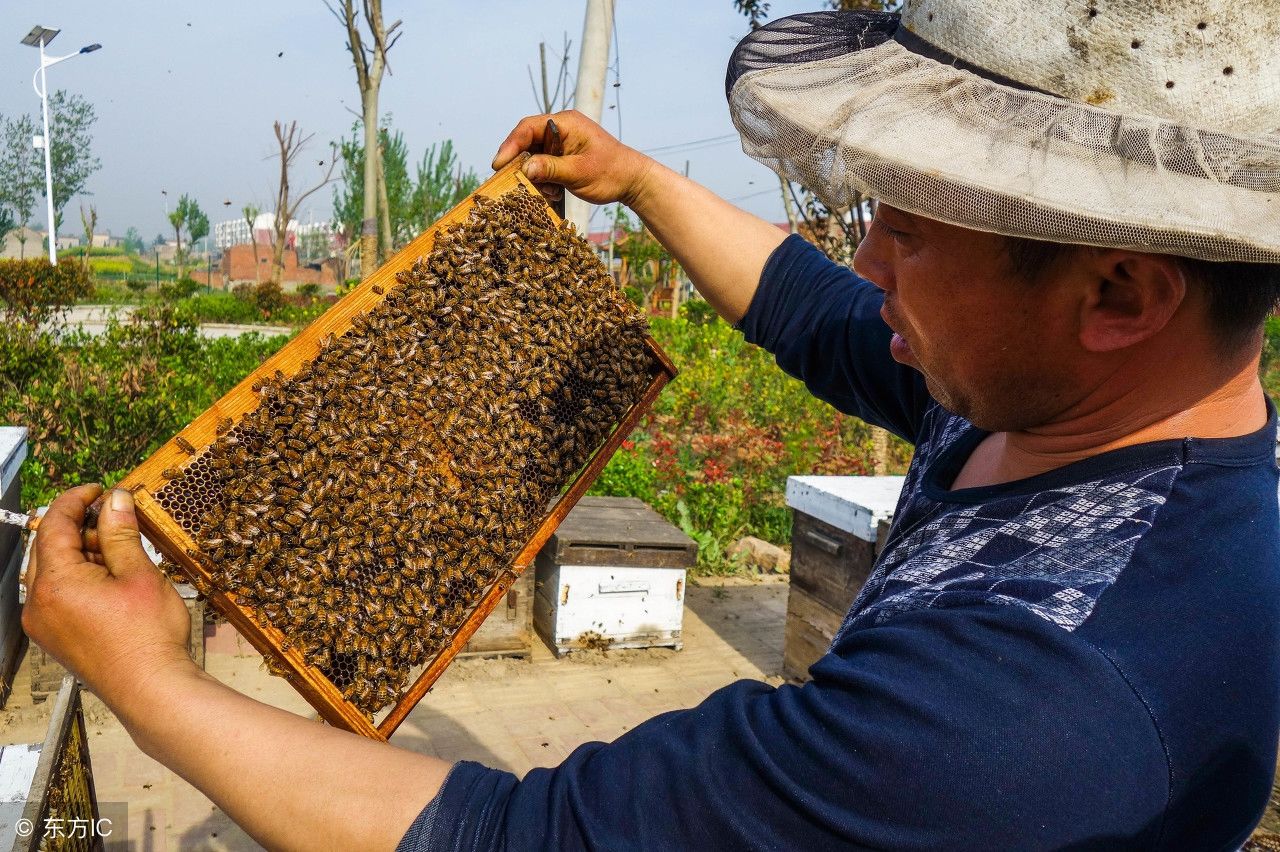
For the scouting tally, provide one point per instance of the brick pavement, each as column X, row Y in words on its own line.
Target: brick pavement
column 510, row 714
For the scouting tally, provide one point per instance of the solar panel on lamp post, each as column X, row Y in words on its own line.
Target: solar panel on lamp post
column 40, row 37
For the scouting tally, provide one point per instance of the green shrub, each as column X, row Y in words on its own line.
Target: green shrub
column 221, row 306
column 698, row 312
column 96, row 406
column 714, row 455
column 34, row 291
column 309, row 290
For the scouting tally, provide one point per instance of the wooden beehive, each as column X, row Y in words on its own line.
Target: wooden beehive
column 171, row 536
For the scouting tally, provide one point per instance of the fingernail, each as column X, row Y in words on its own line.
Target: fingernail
column 533, row 170
column 121, row 501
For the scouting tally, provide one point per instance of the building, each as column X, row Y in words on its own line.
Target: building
column 23, row 243
column 236, row 232
column 238, row 267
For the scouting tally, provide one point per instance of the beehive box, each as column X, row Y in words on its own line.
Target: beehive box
column 835, row 540
column 360, row 503
column 613, row 576
column 47, row 798
column 13, row 450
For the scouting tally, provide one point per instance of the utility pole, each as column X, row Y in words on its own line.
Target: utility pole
column 593, row 65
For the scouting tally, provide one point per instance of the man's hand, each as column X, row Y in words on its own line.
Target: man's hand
column 96, row 602
column 594, row 166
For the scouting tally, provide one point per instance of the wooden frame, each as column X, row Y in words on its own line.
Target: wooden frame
column 174, row 542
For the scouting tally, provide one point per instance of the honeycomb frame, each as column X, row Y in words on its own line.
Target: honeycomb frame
column 170, row 537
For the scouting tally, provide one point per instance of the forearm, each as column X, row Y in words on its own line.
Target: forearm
column 721, row 247
column 291, row 783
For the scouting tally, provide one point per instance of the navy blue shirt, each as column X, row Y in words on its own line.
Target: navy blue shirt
column 1087, row 659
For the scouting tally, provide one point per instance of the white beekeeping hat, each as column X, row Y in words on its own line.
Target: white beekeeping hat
column 1146, row 124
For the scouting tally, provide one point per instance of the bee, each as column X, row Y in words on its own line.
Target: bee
column 170, row 473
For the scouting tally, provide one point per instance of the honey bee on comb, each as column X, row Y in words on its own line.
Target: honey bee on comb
column 367, row 503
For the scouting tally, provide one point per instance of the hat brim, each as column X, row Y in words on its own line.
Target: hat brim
column 832, row 101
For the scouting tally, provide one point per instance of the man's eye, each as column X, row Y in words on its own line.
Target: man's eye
column 895, row 234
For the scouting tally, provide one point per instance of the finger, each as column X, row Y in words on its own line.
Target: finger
column 543, row 168
column 118, row 536
column 58, row 543
column 525, row 136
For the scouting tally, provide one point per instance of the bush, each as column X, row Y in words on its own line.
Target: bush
column 309, row 290
column 714, row 454
column 34, row 291
column 698, row 312
column 96, row 406
column 181, row 288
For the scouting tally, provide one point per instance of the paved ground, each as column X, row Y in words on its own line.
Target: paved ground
column 505, row 713
column 93, row 319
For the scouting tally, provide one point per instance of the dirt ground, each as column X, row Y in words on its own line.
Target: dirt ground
column 510, row 714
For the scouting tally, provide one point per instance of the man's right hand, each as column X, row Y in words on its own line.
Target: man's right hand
column 721, row 248
column 594, row 166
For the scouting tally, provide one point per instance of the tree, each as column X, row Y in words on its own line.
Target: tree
column 21, row 174
column 291, row 143
column 250, row 213
column 370, row 62
column 646, row 263
column 71, row 119
column 441, row 185
column 89, row 221
column 197, row 224
column 561, row 97
column 836, row 232
column 414, row 201
column 187, row 215
column 133, row 243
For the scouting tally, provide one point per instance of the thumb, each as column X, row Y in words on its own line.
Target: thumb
column 543, row 168
column 118, row 536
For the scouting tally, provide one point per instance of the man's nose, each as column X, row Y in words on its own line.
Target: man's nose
column 871, row 260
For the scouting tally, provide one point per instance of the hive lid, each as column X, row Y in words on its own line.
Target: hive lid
column 855, row 504
column 13, row 451
column 619, row 531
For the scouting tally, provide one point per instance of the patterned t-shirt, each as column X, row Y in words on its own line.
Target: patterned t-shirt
column 1086, row 659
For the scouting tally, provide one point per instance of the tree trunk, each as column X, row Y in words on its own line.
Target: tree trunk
column 789, row 205
column 369, row 262
column 384, row 206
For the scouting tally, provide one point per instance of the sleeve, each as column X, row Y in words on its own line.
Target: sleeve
column 943, row 729
column 822, row 323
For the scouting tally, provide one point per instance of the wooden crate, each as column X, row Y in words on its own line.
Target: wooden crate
column 170, row 537
column 57, row 800
column 508, row 631
column 13, row 450
column 838, row 530
column 613, row 576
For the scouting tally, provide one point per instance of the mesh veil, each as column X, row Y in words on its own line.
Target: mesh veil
column 833, row 102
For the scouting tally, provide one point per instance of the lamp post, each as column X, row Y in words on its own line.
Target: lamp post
column 39, row 37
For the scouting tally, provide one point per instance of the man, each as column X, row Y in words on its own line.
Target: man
column 1071, row 640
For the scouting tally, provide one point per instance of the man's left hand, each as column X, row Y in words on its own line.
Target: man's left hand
column 96, row 602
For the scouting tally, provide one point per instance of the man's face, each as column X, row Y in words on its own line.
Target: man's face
column 995, row 349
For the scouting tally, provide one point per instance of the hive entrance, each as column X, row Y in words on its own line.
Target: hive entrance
column 365, row 504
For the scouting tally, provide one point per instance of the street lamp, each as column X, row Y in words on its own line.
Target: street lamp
column 39, row 37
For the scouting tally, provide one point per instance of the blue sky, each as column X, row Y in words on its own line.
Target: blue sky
column 186, row 92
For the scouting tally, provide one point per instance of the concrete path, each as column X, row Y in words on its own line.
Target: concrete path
column 511, row 714
column 93, row 319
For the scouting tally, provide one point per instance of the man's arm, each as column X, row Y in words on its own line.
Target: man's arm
column 722, row 248
column 971, row 728
column 102, row 608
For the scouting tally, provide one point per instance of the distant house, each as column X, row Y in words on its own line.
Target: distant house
column 23, row 243
column 239, row 267
column 66, row 242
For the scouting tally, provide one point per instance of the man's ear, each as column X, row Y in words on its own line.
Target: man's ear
column 1130, row 297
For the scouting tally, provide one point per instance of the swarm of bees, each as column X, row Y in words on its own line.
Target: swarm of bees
column 367, row 503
